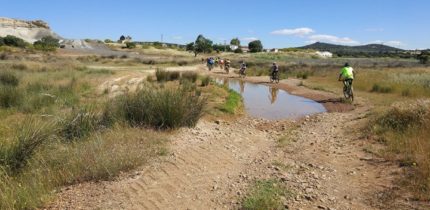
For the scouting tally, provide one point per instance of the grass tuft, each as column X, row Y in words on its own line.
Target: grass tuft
column 266, row 194
column 162, row 108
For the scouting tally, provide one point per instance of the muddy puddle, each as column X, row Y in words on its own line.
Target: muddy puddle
column 266, row 102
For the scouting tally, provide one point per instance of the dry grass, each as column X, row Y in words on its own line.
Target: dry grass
column 405, row 130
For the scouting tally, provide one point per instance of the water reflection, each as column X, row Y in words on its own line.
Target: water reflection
column 242, row 86
column 281, row 104
column 273, row 94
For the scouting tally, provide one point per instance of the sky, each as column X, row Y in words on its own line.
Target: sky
column 278, row 24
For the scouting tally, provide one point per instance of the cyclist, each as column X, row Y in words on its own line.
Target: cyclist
column 242, row 68
column 227, row 65
column 347, row 74
column 211, row 62
column 275, row 70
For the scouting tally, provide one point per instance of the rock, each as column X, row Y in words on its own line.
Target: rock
column 322, row 207
column 218, row 122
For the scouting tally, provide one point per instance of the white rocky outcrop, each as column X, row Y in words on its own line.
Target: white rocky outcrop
column 30, row 31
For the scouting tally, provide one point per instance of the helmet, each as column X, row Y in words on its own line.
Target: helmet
column 346, row 64
column 274, row 63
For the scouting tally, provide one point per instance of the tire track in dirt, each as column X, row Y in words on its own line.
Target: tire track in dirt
column 204, row 163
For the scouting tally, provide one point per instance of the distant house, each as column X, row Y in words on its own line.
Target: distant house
column 275, row 50
column 124, row 39
column 325, row 54
column 234, row 47
column 244, row 49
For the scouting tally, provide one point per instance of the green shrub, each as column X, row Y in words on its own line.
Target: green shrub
column 161, row 108
column 381, row 89
column 266, row 195
column 80, row 124
column 205, row 81
column 14, row 41
column 130, row 45
column 19, row 66
column 108, row 41
column 1, row 41
column 190, row 76
column 30, row 136
column 8, row 78
column 303, row 75
column 163, row 75
column 398, row 119
column 47, row 43
column 10, row 96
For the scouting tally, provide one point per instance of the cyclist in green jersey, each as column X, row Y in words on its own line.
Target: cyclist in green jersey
column 347, row 73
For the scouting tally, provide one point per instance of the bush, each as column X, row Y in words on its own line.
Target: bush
column 381, row 89
column 81, row 123
column 14, row 41
column 31, row 135
column 190, row 76
column 163, row 75
column 108, row 41
column 238, row 50
column 1, row 41
column 130, row 45
column 398, row 119
column 161, row 108
column 47, row 43
column 10, row 96
column 206, row 81
column 303, row 75
column 8, row 78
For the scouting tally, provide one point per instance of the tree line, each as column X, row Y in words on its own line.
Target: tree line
column 205, row 45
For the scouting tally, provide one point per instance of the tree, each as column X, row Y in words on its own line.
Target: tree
column 238, row 50
column 255, row 46
column 108, row 41
column 423, row 57
column 121, row 39
column 202, row 45
column 1, row 41
column 235, row 42
column 190, row 47
column 48, row 43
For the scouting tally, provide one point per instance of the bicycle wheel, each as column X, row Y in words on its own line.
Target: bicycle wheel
column 346, row 91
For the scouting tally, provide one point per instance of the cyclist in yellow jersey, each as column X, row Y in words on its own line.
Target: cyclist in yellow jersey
column 347, row 73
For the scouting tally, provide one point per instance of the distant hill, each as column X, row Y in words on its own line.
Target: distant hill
column 370, row 48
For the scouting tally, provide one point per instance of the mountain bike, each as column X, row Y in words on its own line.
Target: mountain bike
column 348, row 90
column 274, row 77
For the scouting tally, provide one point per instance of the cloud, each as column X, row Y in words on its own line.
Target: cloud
column 332, row 39
column 389, row 43
column 293, row 32
column 248, row 39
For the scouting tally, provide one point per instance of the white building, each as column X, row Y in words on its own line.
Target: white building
column 324, row 54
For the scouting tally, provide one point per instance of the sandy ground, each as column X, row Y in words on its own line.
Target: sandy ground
column 212, row 165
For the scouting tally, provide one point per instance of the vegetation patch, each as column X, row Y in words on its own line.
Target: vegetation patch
column 405, row 130
column 162, row 108
column 267, row 194
column 233, row 102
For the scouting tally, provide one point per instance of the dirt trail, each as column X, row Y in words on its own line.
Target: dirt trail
column 211, row 167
